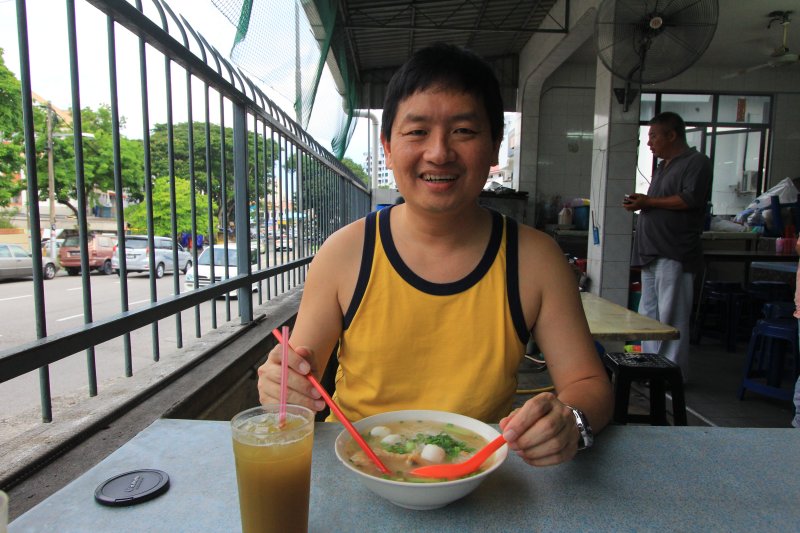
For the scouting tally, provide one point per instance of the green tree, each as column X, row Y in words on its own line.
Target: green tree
column 136, row 214
column 357, row 169
column 98, row 158
column 159, row 142
column 11, row 139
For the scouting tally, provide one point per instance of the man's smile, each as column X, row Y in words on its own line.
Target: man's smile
column 433, row 178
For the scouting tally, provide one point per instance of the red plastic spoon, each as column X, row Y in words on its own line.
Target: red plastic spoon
column 339, row 414
column 457, row 470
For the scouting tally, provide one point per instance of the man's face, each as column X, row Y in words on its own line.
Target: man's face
column 660, row 140
column 441, row 149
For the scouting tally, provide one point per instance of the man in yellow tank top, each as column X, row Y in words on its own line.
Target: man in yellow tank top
column 432, row 301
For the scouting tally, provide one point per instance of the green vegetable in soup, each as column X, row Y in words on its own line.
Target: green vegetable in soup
column 401, row 447
column 452, row 447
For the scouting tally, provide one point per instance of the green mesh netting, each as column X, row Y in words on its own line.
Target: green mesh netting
column 277, row 43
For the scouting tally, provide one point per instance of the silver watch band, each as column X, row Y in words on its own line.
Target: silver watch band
column 584, row 429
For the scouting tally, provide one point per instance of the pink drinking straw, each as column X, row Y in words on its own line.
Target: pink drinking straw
column 284, row 373
column 338, row 412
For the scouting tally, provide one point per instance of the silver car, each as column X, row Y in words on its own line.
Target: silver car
column 137, row 256
column 16, row 262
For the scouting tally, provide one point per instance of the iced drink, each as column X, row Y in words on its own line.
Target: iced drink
column 273, row 468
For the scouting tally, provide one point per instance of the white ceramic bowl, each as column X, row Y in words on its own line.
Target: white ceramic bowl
column 422, row 496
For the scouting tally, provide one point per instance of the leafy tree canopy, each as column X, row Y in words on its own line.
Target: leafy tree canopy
column 136, row 215
column 357, row 169
column 11, row 140
column 266, row 150
column 98, row 157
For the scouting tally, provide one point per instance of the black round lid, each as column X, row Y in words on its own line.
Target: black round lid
column 132, row 487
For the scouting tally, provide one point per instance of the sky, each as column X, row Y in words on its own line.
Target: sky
column 50, row 66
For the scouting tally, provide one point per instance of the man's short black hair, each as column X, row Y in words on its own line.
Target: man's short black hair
column 671, row 122
column 445, row 66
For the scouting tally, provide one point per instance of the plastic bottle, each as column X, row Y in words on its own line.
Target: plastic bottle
column 565, row 217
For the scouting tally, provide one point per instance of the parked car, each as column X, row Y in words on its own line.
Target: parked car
column 137, row 256
column 204, row 266
column 16, row 262
column 46, row 244
column 101, row 248
column 284, row 244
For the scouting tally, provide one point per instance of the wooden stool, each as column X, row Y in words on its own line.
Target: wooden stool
column 626, row 368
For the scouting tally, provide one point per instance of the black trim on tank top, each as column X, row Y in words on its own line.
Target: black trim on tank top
column 512, row 280
column 366, row 266
column 441, row 289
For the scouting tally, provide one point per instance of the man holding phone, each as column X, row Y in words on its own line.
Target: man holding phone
column 667, row 244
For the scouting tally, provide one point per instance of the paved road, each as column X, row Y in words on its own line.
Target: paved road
column 64, row 311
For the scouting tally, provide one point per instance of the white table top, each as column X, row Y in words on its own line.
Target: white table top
column 636, row 478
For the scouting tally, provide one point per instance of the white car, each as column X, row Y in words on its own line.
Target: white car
column 137, row 256
column 16, row 262
column 204, row 266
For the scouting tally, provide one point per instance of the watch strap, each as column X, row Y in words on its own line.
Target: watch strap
column 586, row 437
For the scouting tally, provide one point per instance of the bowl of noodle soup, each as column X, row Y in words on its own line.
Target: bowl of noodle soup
column 404, row 440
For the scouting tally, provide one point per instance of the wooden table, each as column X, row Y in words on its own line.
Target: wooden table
column 635, row 478
column 609, row 321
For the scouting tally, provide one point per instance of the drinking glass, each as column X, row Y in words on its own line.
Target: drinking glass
column 273, row 467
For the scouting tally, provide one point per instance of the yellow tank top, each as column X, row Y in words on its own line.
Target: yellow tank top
column 408, row 343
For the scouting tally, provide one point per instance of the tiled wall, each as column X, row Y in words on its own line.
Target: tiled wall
column 565, row 142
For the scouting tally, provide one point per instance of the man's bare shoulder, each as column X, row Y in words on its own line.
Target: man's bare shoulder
column 344, row 245
column 536, row 246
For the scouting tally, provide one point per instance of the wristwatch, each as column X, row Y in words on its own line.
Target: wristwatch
column 584, row 429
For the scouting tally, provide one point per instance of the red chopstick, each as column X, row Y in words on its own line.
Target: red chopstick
column 339, row 415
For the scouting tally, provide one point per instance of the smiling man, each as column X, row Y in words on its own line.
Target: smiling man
column 433, row 301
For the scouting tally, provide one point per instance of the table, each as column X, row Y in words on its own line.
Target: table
column 747, row 257
column 748, row 238
column 610, row 321
column 635, row 478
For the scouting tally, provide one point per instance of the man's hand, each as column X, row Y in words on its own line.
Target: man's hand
column 542, row 432
column 634, row 202
column 299, row 389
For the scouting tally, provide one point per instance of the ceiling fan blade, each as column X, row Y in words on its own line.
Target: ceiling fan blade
column 744, row 71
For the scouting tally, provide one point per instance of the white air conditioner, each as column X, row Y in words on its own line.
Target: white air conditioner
column 749, row 181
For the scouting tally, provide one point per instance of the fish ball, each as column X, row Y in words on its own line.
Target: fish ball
column 392, row 439
column 433, row 453
column 380, row 431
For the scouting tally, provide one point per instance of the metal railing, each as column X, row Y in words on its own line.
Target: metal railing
column 276, row 193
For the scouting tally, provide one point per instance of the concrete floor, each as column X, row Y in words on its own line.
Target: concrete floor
column 711, row 395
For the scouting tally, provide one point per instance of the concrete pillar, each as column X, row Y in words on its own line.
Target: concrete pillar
column 614, row 159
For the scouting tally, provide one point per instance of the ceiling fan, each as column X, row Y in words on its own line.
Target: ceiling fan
column 781, row 56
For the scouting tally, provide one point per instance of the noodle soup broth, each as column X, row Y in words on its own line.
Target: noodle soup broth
column 406, row 444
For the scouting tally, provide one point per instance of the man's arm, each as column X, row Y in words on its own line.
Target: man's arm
column 328, row 288
column 636, row 201
column 543, row 431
